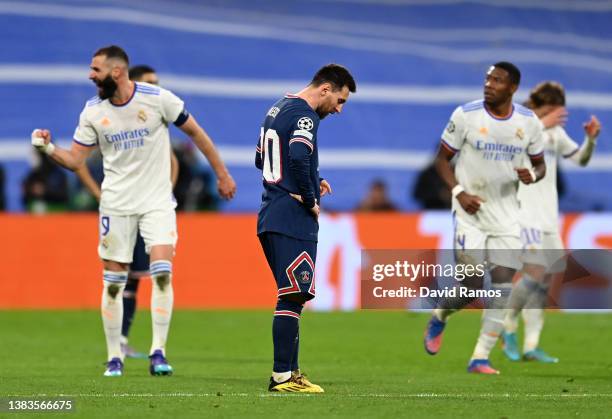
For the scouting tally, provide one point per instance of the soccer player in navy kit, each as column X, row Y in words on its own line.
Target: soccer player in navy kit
column 287, row 223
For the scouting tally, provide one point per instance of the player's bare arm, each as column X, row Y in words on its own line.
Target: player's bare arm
column 225, row 183
column 592, row 128
column 174, row 168
column 70, row 159
column 535, row 174
column 470, row 203
column 85, row 177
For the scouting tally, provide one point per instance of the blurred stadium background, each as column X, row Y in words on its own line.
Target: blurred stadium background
column 230, row 60
column 414, row 62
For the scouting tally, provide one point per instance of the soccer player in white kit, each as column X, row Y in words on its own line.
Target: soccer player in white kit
column 540, row 223
column 493, row 137
column 129, row 122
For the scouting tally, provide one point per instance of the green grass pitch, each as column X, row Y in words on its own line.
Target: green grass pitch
column 371, row 364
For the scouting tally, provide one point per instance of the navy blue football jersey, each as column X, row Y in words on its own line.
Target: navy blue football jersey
column 288, row 158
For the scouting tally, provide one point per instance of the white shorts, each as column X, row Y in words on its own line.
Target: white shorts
column 543, row 248
column 475, row 246
column 118, row 233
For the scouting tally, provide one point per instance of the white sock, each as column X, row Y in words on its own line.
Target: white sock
column 534, row 323
column 162, row 299
column 492, row 322
column 281, row 377
column 533, row 316
column 112, row 311
column 511, row 320
column 522, row 291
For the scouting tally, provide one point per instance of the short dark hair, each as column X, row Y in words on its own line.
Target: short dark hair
column 514, row 74
column 336, row 75
column 113, row 51
column 137, row 71
column 546, row 93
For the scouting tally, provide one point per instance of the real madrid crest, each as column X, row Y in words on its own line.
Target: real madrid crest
column 520, row 133
column 450, row 127
column 142, row 116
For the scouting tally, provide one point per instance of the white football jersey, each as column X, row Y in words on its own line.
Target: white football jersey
column 135, row 146
column 490, row 149
column 539, row 201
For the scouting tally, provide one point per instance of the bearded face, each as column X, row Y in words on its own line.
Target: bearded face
column 106, row 87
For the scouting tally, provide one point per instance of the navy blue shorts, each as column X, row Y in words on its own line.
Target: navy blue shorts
column 140, row 260
column 292, row 262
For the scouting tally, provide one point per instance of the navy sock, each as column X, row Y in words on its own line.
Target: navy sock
column 129, row 305
column 296, row 350
column 285, row 334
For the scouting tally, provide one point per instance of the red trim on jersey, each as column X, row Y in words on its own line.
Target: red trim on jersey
column 294, row 287
column 302, row 140
column 286, row 313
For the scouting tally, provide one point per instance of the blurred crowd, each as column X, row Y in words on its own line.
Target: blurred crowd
column 49, row 188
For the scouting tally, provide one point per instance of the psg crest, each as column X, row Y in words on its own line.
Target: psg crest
column 304, row 277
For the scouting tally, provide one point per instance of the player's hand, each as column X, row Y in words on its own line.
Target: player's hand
column 470, row 203
column 592, row 127
column 525, row 175
column 325, row 188
column 316, row 210
column 40, row 138
column 555, row 117
column 226, row 186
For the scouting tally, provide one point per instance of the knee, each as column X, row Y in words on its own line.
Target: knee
column 502, row 274
column 294, row 305
column 161, row 274
column 298, row 298
column 114, row 283
column 112, row 290
column 162, row 280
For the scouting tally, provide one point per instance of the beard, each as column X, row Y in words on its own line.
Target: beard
column 322, row 112
column 106, row 87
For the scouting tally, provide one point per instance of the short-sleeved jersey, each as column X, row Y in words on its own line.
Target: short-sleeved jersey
column 539, row 201
column 135, row 146
column 490, row 149
column 289, row 126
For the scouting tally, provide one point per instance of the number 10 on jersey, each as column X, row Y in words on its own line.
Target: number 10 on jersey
column 271, row 154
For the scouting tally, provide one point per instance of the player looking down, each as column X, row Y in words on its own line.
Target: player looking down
column 287, row 223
